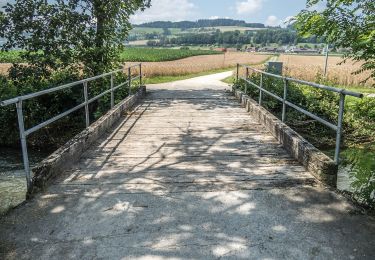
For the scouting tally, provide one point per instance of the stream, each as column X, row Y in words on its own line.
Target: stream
column 12, row 177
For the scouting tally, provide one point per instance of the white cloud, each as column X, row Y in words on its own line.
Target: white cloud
column 249, row 6
column 166, row 10
column 273, row 21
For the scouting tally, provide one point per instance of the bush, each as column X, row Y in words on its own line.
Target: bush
column 45, row 107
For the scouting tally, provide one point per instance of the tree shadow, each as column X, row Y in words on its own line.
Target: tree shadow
column 207, row 183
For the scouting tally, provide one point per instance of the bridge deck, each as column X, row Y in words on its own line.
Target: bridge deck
column 187, row 175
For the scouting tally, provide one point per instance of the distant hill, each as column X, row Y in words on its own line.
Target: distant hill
column 200, row 23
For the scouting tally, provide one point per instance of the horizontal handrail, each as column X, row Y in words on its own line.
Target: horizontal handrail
column 51, row 90
column 330, row 125
column 343, row 93
column 18, row 101
column 50, row 121
column 312, row 84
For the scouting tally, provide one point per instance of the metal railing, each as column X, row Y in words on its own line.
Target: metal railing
column 284, row 99
column 18, row 101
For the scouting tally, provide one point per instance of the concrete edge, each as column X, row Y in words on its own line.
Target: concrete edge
column 67, row 155
column 317, row 163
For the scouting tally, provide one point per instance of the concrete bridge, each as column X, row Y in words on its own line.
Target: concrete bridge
column 187, row 174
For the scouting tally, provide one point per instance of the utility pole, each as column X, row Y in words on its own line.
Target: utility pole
column 326, row 63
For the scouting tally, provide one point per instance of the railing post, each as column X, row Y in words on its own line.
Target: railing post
column 238, row 72
column 339, row 128
column 25, row 155
column 140, row 74
column 112, row 92
column 283, row 117
column 260, row 91
column 247, row 77
column 130, row 80
column 86, row 95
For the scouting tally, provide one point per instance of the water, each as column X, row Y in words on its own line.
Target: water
column 12, row 177
column 357, row 173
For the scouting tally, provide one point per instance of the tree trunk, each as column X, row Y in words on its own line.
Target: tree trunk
column 100, row 15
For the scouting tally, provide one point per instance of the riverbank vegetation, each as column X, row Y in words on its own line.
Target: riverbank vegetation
column 358, row 125
column 61, row 42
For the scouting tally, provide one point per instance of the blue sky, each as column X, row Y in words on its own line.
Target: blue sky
column 271, row 12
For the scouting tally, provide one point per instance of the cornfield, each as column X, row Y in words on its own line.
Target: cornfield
column 312, row 67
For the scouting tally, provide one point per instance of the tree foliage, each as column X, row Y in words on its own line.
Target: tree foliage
column 63, row 34
column 201, row 23
column 264, row 37
column 345, row 23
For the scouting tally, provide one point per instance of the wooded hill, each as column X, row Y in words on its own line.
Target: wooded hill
column 200, row 23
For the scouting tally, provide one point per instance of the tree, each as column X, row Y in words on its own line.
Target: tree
column 344, row 23
column 63, row 34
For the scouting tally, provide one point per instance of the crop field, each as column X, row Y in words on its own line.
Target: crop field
column 130, row 54
column 156, row 55
column 235, row 28
column 312, row 67
column 199, row 64
column 137, row 30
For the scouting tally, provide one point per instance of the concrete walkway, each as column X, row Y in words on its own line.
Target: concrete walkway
column 188, row 175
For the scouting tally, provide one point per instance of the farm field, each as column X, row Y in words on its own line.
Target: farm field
column 312, row 67
column 130, row 54
column 157, row 55
column 235, row 28
column 199, row 64
column 145, row 30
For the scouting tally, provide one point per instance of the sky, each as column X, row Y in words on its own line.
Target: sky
column 270, row 12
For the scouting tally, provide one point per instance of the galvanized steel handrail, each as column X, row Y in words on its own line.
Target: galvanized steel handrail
column 18, row 101
column 312, row 84
column 343, row 93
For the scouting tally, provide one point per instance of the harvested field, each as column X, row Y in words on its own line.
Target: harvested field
column 311, row 67
column 189, row 65
column 4, row 67
column 201, row 64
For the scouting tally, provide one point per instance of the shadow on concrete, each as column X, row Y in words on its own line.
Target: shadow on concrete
column 195, row 193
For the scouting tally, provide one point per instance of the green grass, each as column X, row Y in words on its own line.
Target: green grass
column 229, row 80
column 144, row 30
column 154, row 55
column 130, row 55
column 365, row 90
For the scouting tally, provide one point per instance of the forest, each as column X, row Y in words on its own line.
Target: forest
column 263, row 37
column 200, row 23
